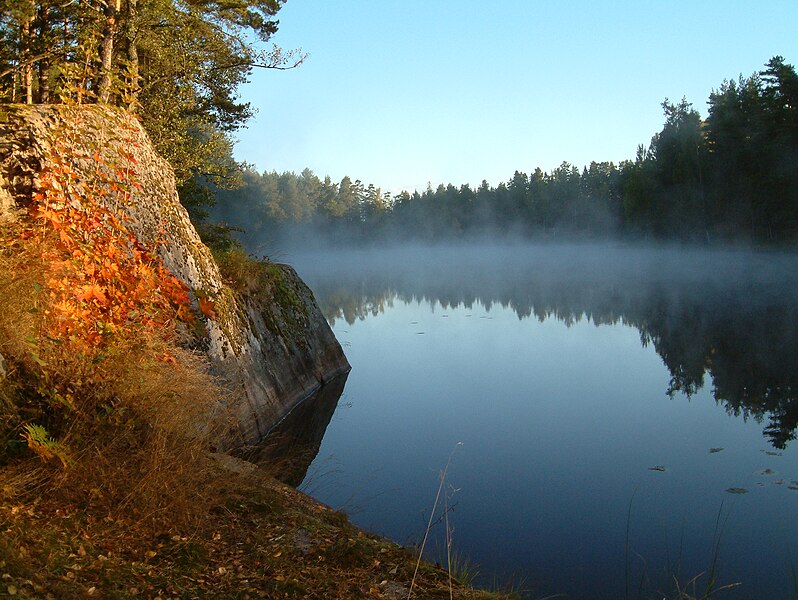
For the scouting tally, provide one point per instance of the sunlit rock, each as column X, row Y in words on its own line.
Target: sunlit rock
column 271, row 344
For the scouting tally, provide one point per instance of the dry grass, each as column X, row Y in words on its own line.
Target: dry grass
column 139, row 508
column 137, row 428
column 259, row 539
column 241, row 271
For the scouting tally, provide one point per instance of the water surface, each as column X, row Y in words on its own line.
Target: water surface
column 595, row 390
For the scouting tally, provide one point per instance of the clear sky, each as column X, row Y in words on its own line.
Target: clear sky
column 401, row 93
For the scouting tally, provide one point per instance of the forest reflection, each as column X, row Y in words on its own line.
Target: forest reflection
column 725, row 319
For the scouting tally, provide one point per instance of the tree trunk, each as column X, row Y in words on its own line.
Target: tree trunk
column 107, row 50
column 132, row 55
column 14, row 86
column 27, row 52
column 44, row 64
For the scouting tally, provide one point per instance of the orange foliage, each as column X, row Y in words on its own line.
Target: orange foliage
column 100, row 278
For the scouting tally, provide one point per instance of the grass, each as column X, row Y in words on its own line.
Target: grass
column 240, row 270
column 142, row 507
column 257, row 539
column 442, row 483
column 460, row 570
column 703, row 586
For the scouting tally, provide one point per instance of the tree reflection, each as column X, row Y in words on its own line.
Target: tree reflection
column 730, row 320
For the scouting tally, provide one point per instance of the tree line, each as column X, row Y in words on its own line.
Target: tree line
column 731, row 176
column 176, row 64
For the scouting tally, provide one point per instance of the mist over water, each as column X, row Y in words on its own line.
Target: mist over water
column 583, row 379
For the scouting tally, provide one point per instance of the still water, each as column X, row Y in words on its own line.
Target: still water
column 617, row 418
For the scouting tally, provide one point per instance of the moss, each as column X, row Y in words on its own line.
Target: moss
column 285, row 295
column 269, row 289
column 290, row 320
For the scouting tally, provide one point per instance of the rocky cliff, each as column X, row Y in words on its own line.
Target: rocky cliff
column 269, row 342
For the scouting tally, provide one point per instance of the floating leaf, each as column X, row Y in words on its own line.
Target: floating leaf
column 715, row 450
column 737, row 490
column 771, row 453
column 659, row 468
column 767, row 472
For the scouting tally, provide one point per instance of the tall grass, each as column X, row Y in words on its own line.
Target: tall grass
column 702, row 586
column 136, row 431
column 441, row 484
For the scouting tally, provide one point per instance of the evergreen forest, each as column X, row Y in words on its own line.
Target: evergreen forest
column 732, row 177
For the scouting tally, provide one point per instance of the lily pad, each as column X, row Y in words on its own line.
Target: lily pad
column 659, row 468
column 715, row 450
column 737, row 490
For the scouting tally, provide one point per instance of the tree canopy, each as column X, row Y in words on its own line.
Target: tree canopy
column 175, row 63
column 730, row 177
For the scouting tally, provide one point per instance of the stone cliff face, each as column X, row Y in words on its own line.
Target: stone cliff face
column 271, row 343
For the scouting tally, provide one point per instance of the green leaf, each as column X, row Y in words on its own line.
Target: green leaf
column 37, row 360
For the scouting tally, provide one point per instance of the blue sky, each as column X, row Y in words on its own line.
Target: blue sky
column 456, row 91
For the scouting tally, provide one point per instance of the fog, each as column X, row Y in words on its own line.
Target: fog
column 725, row 317
column 508, row 272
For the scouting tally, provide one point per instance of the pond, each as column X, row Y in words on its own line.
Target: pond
column 614, row 419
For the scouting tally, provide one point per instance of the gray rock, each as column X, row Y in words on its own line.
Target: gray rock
column 272, row 345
